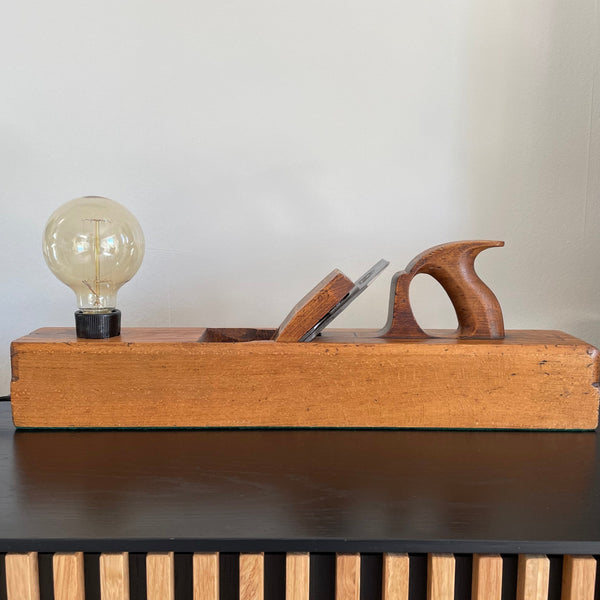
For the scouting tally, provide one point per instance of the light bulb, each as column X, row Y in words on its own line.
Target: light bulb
column 94, row 245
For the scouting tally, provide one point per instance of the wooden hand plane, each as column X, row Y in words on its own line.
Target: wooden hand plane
column 402, row 376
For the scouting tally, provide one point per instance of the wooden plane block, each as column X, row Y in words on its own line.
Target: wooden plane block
column 69, row 583
column 440, row 576
column 395, row 576
column 297, row 576
column 160, row 576
column 206, row 576
column 528, row 380
column 314, row 306
column 579, row 578
column 114, row 576
column 533, row 577
column 487, row 577
column 347, row 577
column 252, row 576
column 22, row 577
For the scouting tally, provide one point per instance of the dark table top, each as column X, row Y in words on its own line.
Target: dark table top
column 307, row 490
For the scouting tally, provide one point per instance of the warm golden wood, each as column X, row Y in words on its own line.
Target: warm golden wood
column 528, row 380
column 440, row 577
column 395, row 576
column 22, row 578
column 347, row 577
column 487, row 577
column 252, row 576
column 68, row 576
column 314, row 306
column 297, row 576
column 114, row 576
column 533, row 577
column 452, row 265
column 206, row 576
column 160, row 576
column 579, row 578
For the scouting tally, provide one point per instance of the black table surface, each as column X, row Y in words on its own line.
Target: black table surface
column 298, row 490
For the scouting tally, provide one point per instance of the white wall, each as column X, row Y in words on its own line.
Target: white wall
column 262, row 144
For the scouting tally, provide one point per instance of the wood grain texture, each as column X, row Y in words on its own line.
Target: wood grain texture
column 160, row 576
column 206, row 576
column 440, row 576
column 297, row 576
column 579, row 578
column 529, row 380
column 487, row 577
column 22, row 577
column 252, row 576
column 395, row 577
column 477, row 309
column 114, row 576
column 347, row 577
column 533, row 577
column 314, row 306
column 69, row 581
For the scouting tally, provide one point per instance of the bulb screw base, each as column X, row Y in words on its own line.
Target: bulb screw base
column 97, row 326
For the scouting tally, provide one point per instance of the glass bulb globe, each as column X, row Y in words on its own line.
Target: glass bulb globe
column 94, row 245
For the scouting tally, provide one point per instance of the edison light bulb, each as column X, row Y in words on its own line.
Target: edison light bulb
column 94, row 245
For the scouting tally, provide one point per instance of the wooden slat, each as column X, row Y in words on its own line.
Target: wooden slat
column 487, row 577
column 297, row 576
column 160, row 576
column 22, row 579
column 579, row 578
column 395, row 576
column 440, row 576
column 68, row 576
column 533, row 577
column 206, row 576
column 114, row 576
column 252, row 577
column 347, row 577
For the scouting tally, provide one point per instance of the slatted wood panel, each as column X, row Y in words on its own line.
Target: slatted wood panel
column 395, row 576
column 69, row 583
column 297, row 576
column 533, row 577
column 347, row 577
column 440, row 576
column 22, row 578
column 487, row 577
column 114, row 576
column 579, row 578
column 160, row 576
column 206, row 576
column 252, row 576
column 578, row 581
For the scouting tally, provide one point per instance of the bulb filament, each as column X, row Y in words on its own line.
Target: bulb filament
column 97, row 281
column 97, row 258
